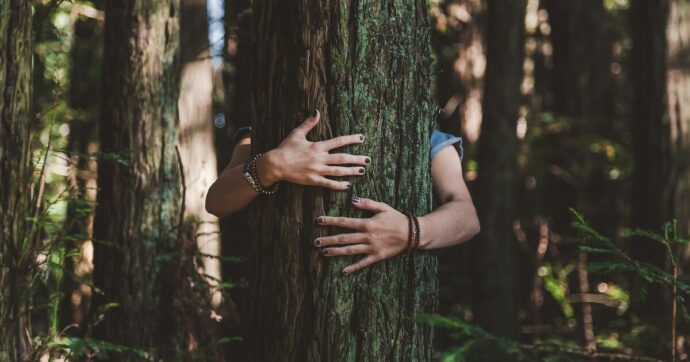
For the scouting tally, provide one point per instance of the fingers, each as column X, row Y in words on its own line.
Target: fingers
column 347, row 250
column 342, row 239
column 371, row 205
column 306, row 126
column 331, row 184
column 347, row 159
column 341, row 141
column 343, row 222
column 365, row 262
column 343, row 171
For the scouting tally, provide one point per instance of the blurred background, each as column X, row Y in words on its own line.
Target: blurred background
column 602, row 128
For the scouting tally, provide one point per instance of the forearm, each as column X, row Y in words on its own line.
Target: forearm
column 452, row 223
column 231, row 192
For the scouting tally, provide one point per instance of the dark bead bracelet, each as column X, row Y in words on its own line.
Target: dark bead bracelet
column 252, row 177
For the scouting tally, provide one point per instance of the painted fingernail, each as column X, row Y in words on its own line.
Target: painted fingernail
column 361, row 170
column 367, row 160
column 361, row 138
column 348, row 185
column 355, row 200
column 345, row 272
column 313, row 112
column 324, row 252
column 317, row 242
column 318, row 220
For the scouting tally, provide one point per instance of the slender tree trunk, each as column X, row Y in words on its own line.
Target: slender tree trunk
column 582, row 93
column 651, row 205
column 196, row 136
column 365, row 66
column 139, row 212
column 235, row 227
column 84, row 95
column 496, row 259
column 678, row 78
column 17, row 254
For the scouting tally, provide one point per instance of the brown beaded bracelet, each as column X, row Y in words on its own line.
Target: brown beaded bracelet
column 252, row 177
column 414, row 232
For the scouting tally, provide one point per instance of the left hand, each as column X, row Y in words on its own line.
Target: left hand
column 380, row 237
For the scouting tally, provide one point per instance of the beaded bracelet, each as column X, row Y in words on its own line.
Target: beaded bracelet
column 414, row 232
column 253, row 177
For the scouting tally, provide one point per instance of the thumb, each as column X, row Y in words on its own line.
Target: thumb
column 306, row 126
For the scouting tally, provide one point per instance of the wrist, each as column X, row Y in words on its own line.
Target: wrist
column 424, row 234
column 268, row 168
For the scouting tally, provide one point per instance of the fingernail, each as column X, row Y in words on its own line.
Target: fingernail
column 313, row 112
column 355, row 200
column 345, row 272
column 318, row 220
column 361, row 170
column 367, row 160
column 317, row 242
column 348, row 185
column 324, row 251
column 361, row 138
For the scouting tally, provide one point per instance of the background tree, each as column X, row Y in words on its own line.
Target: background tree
column 366, row 67
column 651, row 203
column 16, row 246
column 496, row 263
column 139, row 211
column 84, row 97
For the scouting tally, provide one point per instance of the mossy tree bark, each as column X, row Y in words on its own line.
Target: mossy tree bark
column 17, row 251
column 366, row 66
column 496, row 248
column 138, row 258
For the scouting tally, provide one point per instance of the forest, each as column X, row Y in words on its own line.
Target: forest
column 119, row 117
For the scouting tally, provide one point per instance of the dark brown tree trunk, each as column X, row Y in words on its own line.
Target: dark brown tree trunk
column 17, row 252
column 496, row 251
column 651, row 205
column 582, row 94
column 84, row 95
column 139, row 259
column 366, row 67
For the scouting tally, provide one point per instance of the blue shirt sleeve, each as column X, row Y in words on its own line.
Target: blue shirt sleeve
column 441, row 140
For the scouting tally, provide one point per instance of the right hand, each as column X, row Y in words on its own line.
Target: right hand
column 302, row 162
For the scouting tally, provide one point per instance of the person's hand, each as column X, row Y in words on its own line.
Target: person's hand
column 300, row 161
column 380, row 237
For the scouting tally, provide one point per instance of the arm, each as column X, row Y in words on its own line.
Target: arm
column 295, row 160
column 385, row 234
column 456, row 219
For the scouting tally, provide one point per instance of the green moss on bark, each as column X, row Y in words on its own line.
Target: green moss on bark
column 365, row 65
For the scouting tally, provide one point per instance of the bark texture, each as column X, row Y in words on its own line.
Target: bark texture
column 137, row 255
column 496, row 248
column 365, row 65
column 16, row 250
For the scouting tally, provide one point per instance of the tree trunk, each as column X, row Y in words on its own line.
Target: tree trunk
column 651, row 205
column 366, row 67
column 197, row 135
column 17, row 254
column 678, row 77
column 84, row 95
column 139, row 212
column 496, row 259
